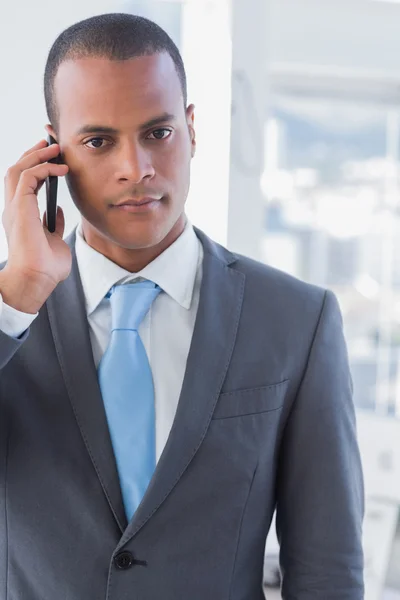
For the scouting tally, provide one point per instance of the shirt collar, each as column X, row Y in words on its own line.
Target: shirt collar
column 174, row 270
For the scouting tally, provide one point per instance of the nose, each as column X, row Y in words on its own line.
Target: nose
column 134, row 163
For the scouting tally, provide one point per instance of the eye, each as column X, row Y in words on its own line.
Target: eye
column 97, row 142
column 161, row 134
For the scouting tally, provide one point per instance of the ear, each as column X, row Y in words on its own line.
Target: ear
column 190, row 123
column 50, row 131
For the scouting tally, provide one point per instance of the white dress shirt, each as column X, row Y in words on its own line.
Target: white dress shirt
column 166, row 330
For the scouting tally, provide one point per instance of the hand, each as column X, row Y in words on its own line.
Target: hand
column 37, row 260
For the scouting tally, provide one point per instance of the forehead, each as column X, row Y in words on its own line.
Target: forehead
column 114, row 93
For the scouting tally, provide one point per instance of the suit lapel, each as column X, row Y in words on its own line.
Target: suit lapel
column 214, row 336
column 69, row 325
column 212, row 344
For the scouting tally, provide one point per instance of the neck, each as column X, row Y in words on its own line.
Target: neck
column 131, row 260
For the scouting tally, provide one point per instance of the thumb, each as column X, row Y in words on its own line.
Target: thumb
column 60, row 222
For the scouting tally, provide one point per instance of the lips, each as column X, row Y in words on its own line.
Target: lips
column 145, row 206
column 141, row 202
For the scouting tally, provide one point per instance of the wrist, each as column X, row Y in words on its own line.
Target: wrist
column 23, row 293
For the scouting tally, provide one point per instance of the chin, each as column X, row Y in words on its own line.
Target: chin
column 130, row 233
column 137, row 237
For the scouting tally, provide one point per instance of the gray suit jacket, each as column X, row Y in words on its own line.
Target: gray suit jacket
column 265, row 419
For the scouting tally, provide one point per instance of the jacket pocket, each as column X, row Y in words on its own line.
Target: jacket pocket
column 251, row 401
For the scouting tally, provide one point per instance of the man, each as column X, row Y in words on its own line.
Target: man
column 160, row 396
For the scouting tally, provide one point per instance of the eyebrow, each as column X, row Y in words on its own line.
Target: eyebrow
column 88, row 129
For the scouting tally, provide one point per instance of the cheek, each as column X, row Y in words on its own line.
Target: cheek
column 84, row 187
column 175, row 162
column 86, row 177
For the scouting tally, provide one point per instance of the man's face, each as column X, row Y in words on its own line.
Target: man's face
column 126, row 137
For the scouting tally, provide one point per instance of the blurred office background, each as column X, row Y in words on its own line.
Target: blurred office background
column 298, row 125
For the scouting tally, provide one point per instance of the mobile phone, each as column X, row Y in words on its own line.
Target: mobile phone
column 51, row 192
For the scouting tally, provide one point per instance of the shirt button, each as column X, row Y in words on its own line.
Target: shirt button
column 124, row 560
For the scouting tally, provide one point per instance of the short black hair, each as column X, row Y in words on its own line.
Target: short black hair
column 116, row 36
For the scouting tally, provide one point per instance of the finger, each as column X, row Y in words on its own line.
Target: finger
column 37, row 157
column 31, row 160
column 39, row 187
column 31, row 178
column 41, row 144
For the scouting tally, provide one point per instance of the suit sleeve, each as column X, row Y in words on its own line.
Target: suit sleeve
column 14, row 330
column 320, row 492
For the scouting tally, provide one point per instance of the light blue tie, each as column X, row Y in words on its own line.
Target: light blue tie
column 127, row 388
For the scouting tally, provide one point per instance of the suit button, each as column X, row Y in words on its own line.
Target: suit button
column 124, row 560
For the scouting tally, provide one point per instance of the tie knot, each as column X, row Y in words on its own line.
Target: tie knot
column 131, row 302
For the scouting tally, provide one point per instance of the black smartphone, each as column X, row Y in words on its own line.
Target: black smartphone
column 51, row 192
